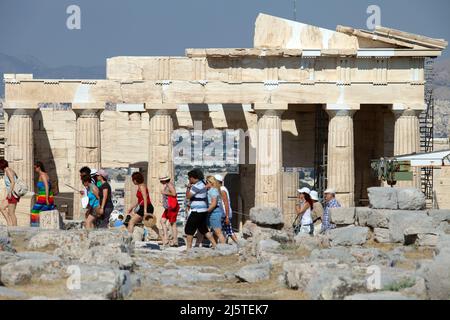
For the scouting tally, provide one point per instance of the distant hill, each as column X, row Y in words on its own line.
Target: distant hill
column 29, row 64
column 442, row 98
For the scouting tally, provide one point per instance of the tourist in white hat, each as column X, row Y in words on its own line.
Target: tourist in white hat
column 171, row 208
column 330, row 202
column 317, row 212
column 227, row 226
column 303, row 210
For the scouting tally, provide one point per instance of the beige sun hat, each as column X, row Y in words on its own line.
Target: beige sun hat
column 330, row 190
column 164, row 178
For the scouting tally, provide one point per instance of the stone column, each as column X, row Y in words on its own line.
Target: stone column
column 341, row 162
column 88, row 149
column 160, row 154
column 407, row 140
column 19, row 153
column 19, row 144
column 269, row 160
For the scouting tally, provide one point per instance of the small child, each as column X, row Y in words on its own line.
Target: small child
column 119, row 222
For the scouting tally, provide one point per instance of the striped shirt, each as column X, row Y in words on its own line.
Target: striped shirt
column 199, row 201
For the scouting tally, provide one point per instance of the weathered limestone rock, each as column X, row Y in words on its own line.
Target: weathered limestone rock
column 379, row 218
column 254, row 273
column 50, row 220
column 410, row 199
column 226, row 249
column 381, row 235
column 437, row 277
column 383, row 198
column 138, row 234
column 74, row 243
column 22, row 272
column 310, row 243
column 420, row 236
column 369, row 255
column 348, row 236
column 399, row 221
column 382, row 295
column 267, row 217
column 342, row 255
column 342, row 216
column 111, row 255
column 101, row 283
column 179, row 275
column 362, row 215
column 268, row 245
column 7, row 257
column 326, row 279
column 439, row 216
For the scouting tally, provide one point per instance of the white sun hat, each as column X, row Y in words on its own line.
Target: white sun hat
column 304, row 190
column 314, row 195
column 218, row 177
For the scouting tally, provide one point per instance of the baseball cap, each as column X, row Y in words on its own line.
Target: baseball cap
column 218, row 177
column 330, row 190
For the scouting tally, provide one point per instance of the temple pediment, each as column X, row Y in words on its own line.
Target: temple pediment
column 274, row 32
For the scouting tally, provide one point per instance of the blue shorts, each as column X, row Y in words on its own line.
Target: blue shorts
column 215, row 220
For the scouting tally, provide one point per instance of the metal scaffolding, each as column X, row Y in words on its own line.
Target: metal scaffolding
column 426, row 119
column 321, row 151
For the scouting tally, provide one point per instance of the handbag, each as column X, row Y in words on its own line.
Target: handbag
column 20, row 188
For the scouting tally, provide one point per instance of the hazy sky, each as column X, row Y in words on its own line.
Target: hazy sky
column 166, row 27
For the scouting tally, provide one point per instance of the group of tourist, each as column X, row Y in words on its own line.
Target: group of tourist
column 209, row 207
column 44, row 196
column 311, row 217
column 207, row 202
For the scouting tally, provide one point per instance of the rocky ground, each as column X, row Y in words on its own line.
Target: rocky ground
column 270, row 263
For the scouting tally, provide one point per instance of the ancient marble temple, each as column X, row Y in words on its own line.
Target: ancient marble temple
column 346, row 96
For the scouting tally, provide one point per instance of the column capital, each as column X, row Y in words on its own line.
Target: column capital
column 270, row 107
column 269, row 113
column 22, row 112
column 419, row 106
column 341, row 113
column 88, row 113
column 406, row 113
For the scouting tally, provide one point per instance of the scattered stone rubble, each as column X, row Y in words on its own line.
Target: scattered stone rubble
column 389, row 251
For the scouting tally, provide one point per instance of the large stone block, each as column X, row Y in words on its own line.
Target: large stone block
column 362, row 215
column 50, row 220
column 399, row 221
column 379, row 218
column 383, row 198
column 254, row 273
column 381, row 235
column 342, row 216
column 348, row 236
column 410, row 199
column 267, row 217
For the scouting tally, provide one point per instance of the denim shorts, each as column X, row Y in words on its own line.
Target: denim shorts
column 215, row 220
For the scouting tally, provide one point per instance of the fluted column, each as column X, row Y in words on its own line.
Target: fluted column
column 407, row 140
column 269, row 160
column 88, row 148
column 341, row 162
column 160, row 154
column 19, row 142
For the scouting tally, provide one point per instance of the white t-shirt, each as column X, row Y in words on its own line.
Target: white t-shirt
column 230, row 213
column 306, row 218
